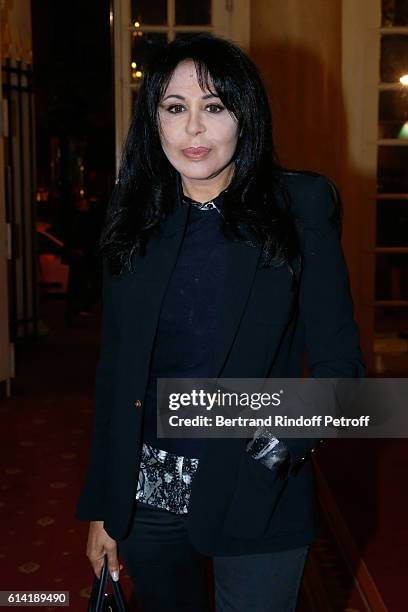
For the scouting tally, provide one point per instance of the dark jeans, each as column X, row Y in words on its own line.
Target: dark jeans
column 169, row 575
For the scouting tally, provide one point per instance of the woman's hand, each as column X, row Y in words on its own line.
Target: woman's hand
column 100, row 543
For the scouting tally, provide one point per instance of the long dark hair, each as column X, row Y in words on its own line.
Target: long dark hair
column 145, row 190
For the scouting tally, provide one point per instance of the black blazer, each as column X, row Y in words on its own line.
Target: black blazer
column 265, row 325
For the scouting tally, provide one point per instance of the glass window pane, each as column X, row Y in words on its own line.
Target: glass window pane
column 394, row 13
column 193, row 13
column 386, row 323
column 143, row 45
column 394, row 57
column 392, row 169
column 149, row 12
column 391, row 276
column 135, row 95
column 188, row 35
column 393, row 111
column 392, row 223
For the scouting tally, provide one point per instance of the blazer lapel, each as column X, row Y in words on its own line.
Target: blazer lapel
column 241, row 265
column 142, row 294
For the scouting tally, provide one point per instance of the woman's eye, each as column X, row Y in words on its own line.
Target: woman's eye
column 217, row 108
column 175, row 108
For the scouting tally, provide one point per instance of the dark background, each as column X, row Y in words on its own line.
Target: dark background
column 74, row 97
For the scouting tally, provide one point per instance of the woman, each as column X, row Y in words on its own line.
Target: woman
column 218, row 262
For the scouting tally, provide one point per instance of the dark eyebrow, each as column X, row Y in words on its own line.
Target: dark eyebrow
column 206, row 97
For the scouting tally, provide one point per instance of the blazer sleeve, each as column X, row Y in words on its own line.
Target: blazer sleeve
column 325, row 302
column 90, row 505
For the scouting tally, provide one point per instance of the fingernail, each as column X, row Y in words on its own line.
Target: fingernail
column 115, row 575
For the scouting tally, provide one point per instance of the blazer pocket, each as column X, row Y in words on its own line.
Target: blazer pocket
column 255, row 498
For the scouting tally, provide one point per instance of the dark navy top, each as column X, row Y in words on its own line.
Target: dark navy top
column 184, row 342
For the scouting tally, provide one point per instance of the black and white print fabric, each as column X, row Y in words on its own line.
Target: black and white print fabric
column 165, row 478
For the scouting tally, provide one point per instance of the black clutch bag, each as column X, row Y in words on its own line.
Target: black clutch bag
column 100, row 601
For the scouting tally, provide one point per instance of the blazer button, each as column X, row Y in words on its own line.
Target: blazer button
column 138, row 403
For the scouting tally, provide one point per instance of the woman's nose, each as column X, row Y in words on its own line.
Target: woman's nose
column 194, row 125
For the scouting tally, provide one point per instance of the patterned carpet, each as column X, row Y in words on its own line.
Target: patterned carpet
column 45, row 436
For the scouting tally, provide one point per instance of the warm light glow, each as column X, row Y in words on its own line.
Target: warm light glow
column 404, row 131
column 137, row 24
column 138, row 74
column 81, row 192
column 404, row 79
column 134, row 65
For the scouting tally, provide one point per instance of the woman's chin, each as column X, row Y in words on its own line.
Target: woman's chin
column 198, row 171
column 196, row 176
